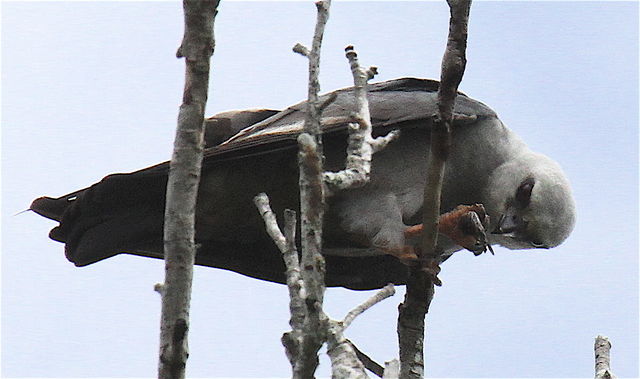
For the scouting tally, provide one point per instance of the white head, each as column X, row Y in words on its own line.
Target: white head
column 530, row 203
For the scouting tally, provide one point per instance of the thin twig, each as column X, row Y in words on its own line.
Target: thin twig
column 345, row 362
column 270, row 222
column 286, row 244
column 387, row 291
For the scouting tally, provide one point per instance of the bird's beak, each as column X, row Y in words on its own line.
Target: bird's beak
column 509, row 223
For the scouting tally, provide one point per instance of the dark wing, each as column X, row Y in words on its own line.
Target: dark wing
column 125, row 212
column 392, row 104
column 223, row 126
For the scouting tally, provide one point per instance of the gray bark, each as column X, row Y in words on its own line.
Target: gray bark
column 182, row 187
column 312, row 209
column 602, row 349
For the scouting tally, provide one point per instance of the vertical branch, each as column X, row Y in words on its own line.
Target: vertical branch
column 420, row 286
column 312, row 208
column 452, row 70
column 602, row 348
column 182, row 187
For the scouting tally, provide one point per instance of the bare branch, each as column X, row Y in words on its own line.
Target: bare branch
column 453, row 65
column 385, row 292
column 271, row 224
column 295, row 284
column 420, row 285
column 312, row 262
column 286, row 244
column 362, row 145
column 301, row 49
column 317, row 327
column 602, row 348
column 344, row 360
column 182, row 188
column 391, row 369
column 312, row 209
column 368, row 363
column 312, row 120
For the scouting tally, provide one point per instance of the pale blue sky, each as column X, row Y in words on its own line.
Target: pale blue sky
column 93, row 88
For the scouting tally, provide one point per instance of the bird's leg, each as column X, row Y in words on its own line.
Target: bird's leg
column 413, row 231
column 409, row 255
column 465, row 225
column 406, row 254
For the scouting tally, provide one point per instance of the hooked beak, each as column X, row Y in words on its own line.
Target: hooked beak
column 510, row 223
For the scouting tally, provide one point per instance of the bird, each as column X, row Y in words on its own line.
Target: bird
column 526, row 195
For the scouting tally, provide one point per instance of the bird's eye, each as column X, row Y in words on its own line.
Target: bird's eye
column 523, row 193
column 538, row 245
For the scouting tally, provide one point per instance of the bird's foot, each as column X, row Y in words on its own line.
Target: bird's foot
column 465, row 225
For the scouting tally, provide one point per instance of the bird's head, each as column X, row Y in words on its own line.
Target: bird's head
column 530, row 203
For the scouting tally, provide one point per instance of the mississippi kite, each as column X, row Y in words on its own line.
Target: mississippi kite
column 526, row 194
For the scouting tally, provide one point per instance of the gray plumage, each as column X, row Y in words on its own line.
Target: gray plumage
column 526, row 194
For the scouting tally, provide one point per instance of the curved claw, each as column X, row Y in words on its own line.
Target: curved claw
column 467, row 226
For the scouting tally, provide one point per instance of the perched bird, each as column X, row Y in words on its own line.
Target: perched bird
column 526, row 195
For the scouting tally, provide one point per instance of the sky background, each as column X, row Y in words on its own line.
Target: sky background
column 93, row 88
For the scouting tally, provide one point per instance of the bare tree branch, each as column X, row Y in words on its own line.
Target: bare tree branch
column 344, row 359
column 287, row 246
column 453, row 65
column 312, row 208
column 385, row 292
column 312, row 262
column 420, row 285
column 602, row 348
column 271, row 224
column 368, row 363
column 391, row 369
column 362, row 145
column 182, row 188
column 312, row 330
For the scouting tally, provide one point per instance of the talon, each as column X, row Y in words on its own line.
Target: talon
column 490, row 249
column 466, row 226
